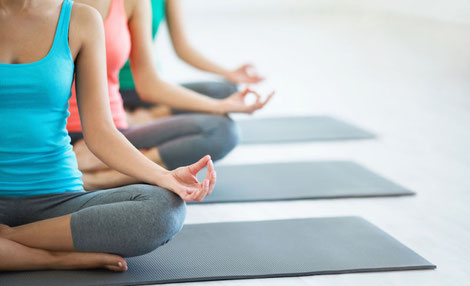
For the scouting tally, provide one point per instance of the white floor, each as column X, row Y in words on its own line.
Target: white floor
column 403, row 76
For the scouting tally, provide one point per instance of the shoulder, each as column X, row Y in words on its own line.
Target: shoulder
column 86, row 27
column 85, row 17
column 132, row 5
column 85, row 23
column 137, row 7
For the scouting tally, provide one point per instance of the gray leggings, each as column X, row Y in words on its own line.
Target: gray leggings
column 214, row 89
column 185, row 137
column 128, row 221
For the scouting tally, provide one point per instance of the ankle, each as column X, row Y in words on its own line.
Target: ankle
column 54, row 259
column 90, row 181
column 5, row 230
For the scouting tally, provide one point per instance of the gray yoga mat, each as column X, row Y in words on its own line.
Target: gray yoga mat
column 242, row 250
column 299, row 180
column 298, row 129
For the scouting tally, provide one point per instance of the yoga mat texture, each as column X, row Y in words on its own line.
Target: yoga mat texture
column 241, row 250
column 298, row 129
column 299, row 180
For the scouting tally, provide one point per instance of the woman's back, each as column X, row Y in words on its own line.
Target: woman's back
column 35, row 152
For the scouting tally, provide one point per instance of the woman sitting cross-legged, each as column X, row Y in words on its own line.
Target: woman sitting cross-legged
column 47, row 220
column 172, row 142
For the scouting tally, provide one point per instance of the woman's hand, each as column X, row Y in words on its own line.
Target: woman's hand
column 184, row 183
column 236, row 102
column 244, row 74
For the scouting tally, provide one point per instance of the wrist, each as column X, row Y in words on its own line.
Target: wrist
column 220, row 106
column 225, row 73
column 160, row 176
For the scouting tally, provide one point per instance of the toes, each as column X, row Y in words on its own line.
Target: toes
column 115, row 268
column 115, row 263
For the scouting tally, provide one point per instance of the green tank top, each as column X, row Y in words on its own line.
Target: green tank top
column 158, row 15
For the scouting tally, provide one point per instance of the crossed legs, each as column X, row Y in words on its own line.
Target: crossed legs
column 80, row 230
column 16, row 256
column 172, row 142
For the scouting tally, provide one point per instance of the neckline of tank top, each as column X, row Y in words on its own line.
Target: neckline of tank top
column 54, row 43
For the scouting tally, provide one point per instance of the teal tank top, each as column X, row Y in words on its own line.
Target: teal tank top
column 35, row 153
column 126, row 81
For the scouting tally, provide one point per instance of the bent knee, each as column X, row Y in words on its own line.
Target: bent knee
column 227, row 89
column 163, row 217
column 224, row 136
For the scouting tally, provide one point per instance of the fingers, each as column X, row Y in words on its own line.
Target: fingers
column 251, row 75
column 196, row 167
column 190, row 194
column 255, row 79
column 244, row 92
column 257, row 95
column 268, row 98
column 239, row 105
column 197, row 193
column 246, row 67
column 193, row 190
column 204, row 191
column 259, row 104
column 211, row 176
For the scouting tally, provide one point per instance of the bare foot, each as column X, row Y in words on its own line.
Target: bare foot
column 3, row 229
column 88, row 260
column 142, row 116
column 17, row 257
column 138, row 117
column 109, row 178
column 86, row 160
column 106, row 179
column 91, row 181
column 160, row 111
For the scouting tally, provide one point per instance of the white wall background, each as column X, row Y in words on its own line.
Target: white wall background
column 446, row 10
column 400, row 69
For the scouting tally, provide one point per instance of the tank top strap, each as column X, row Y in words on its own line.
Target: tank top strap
column 117, row 12
column 62, row 33
column 120, row 8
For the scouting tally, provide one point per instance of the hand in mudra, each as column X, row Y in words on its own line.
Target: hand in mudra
column 244, row 74
column 184, row 183
column 236, row 102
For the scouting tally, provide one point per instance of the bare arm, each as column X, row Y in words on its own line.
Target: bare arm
column 182, row 46
column 148, row 84
column 151, row 88
column 186, row 51
column 100, row 134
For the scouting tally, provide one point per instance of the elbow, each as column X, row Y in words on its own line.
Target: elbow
column 148, row 89
column 100, row 132
column 180, row 54
column 182, row 51
column 143, row 93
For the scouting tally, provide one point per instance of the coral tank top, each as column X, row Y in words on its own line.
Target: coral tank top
column 118, row 47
